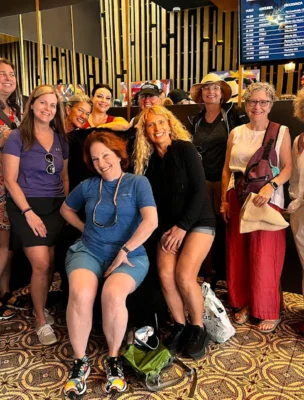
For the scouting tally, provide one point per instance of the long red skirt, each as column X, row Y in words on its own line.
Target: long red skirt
column 254, row 265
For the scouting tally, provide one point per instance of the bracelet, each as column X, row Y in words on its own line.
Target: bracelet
column 26, row 210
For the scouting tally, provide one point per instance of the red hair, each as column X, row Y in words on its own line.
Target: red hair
column 110, row 140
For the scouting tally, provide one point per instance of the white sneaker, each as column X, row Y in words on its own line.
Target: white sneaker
column 48, row 317
column 46, row 335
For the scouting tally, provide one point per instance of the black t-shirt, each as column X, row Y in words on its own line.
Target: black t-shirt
column 210, row 139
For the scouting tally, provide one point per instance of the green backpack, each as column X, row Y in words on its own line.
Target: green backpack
column 148, row 365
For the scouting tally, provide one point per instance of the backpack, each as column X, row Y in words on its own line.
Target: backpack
column 148, row 364
column 262, row 166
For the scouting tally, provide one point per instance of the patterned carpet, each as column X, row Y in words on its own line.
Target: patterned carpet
column 251, row 366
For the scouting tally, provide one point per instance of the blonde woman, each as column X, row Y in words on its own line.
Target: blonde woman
column 164, row 153
column 35, row 174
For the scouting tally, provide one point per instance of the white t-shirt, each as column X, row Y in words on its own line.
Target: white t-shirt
column 245, row 143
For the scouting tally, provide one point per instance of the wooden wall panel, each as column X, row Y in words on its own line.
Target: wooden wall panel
column 182, row 46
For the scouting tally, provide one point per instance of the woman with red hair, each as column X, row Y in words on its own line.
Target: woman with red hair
column 120, row 216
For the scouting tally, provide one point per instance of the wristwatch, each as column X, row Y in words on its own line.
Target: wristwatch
column 125, row 249
column 274, row 185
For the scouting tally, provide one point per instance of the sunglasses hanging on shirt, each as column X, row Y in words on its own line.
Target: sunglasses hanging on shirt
column 50, row 169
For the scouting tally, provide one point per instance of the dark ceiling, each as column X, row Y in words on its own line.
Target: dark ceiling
column 14, row 7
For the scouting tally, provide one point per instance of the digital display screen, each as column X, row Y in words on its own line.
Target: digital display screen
column 271, row 30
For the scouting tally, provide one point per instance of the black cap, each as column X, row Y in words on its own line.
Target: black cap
column 149, row 88
column 177, row 95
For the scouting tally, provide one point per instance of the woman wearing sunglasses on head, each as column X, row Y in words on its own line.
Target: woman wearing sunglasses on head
column 120, row 216
column 35, row 175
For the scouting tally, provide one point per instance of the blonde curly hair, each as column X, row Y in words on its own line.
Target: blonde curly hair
column 298, row 105
column 143, row 148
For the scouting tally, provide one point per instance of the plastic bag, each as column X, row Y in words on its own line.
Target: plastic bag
column 215, row 318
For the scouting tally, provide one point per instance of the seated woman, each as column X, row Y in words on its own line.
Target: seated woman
column 120, row 216
column 35, row 175
column 163, row 153
column 255, row 260
column 102, row 101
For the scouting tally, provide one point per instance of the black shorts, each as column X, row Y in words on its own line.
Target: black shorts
column 48, row 209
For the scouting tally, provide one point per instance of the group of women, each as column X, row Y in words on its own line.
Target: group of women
column 115, row 212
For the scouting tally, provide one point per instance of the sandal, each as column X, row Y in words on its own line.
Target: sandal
column 242, row 316
column 273, row 322
column 16, row 303
column 5, row 313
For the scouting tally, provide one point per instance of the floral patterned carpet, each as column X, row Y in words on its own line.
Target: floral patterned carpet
column 250, row 366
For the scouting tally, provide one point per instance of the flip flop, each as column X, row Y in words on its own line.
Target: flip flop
column 244, row 316
column 274, row 322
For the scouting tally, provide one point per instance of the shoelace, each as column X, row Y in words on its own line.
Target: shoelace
column 46, row 330
column 77, row 367
column 114, row 367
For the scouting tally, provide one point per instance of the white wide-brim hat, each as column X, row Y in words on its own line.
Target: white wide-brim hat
column 263, row 218
column 196, row 92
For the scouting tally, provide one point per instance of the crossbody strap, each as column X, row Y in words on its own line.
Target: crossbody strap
column 6, row 119
column 270, row 138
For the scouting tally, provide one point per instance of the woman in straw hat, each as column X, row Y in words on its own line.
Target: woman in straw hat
column 255, row 260
column 296, row 189
column 211, row 128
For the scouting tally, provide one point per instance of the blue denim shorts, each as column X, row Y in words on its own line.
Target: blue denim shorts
column 209, row 230
column 79, row 256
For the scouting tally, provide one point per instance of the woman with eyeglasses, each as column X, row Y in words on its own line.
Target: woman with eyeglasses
column 102, row 100
column 10, row 115
column 164, row 153
column 210, row 129
column 120, row 216
column 35, row 175
column 255, row 260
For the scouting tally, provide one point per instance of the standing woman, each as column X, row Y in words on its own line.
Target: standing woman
column 296, row 189
column 102, row 100
column 35, row 174
column 78, row 110
column 210, row 129
column 255, row 260
column 186, row 222
column 10, row 101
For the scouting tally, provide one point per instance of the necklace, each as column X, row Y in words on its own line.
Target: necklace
column 95, row 222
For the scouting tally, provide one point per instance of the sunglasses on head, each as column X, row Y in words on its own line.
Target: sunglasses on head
column 50, row 169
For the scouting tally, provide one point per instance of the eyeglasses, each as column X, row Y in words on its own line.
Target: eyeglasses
column 261, row 103
column 211, row 87
column 95, row 222
column 50, row 169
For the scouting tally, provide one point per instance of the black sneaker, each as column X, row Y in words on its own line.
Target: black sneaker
column 115, row 375
column 197, row 342
column 176, row 340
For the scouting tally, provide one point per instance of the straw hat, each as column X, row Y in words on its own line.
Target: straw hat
column 263, row 218
column 196, row 92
